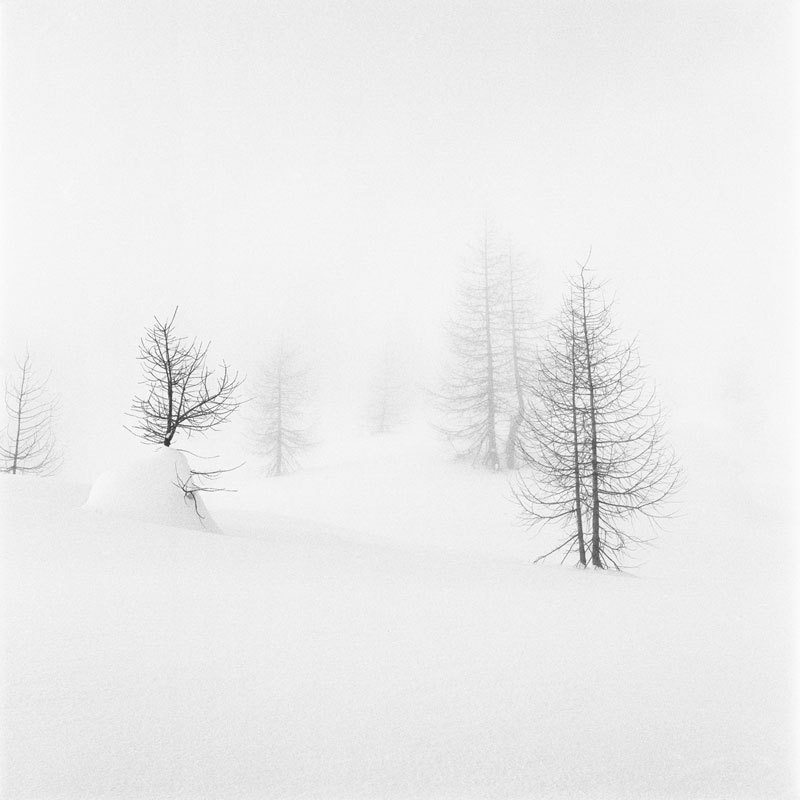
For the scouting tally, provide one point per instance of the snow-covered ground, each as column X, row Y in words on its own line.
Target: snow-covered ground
column 373, row 627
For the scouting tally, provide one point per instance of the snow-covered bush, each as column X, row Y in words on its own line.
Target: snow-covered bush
column 158, row 489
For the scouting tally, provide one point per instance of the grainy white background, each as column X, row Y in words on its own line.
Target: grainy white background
column 322, row 168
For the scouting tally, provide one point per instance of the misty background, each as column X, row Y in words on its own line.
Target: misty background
column 320, row 171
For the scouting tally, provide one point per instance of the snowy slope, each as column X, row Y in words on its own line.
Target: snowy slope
column 373, row 629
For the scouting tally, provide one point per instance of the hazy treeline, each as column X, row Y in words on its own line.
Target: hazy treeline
column 493, row 347
column 564, row 400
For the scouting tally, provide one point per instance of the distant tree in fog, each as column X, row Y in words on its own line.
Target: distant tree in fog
column 471, row 394
column 388, row 395
column 28, row 444
column 281, row 429
column 181, row 393
column 595, row 442
column 518, row 330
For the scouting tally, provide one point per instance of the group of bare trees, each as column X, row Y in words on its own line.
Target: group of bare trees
column 592, row 438
column 575, row 408
column 492, row 351
column 578, row 414
column 183, row 395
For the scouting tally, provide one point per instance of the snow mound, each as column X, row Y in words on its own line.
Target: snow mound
column 149, row 490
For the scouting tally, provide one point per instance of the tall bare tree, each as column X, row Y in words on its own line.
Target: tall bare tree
column 471, row 395
column 28, row 444
column 519, row 331
column 598, row 418
column 182, row 393
column 389, row 394
column 282, row 394
column 633, row 471
column 552, row 437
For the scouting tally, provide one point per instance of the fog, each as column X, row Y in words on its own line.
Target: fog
column 377, row 624
column 320, row 171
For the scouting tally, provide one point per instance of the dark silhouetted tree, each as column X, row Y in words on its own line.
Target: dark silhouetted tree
column 595, row 416
column 182, row 393
column 552, row 436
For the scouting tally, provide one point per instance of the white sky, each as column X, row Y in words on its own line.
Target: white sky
column 321, row 168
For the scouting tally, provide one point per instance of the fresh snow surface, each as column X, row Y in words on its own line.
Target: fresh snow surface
column 149, row 489
column 374, row 628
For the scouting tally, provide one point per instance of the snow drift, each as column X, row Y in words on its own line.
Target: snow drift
column 151, row 490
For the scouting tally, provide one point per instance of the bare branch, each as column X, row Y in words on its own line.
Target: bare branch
column 182, row 393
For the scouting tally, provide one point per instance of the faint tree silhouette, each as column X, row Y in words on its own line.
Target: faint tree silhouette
column 471, row 394
column 282, row 394
column 28, row 444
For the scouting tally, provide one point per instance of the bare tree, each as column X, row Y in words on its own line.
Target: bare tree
column 183, row 394
column 552, row 438
column 282, row 395
column 519, row 332
column 28, row 444
column 389, row 394
column 197, row 482
column 632, row 469
column 597, row 418
column 471, row 395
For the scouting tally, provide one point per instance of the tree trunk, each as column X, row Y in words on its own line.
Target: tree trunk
column 511, row 444
column 491, row 432
column 19, row 416
column 170, row 402
column 596, row 560
column 516, row 421
column 576, row 453
column 279, row 441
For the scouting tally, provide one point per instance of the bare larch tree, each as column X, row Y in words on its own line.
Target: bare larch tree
column 605, row 426
column 28, row 444
column 182, row 393
column 282, row 394
column 388, row 395
column 519, row 333
column 552, row 437
column 471, row 395
column 632, row 469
